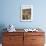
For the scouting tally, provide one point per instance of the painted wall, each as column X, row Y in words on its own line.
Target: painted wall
column 10, row 13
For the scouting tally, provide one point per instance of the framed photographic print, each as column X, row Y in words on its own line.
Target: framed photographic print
column 26, row 13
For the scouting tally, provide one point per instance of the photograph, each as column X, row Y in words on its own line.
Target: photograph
column 26, row 13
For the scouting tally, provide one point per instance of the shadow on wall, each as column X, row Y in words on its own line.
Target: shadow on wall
column 2, row 26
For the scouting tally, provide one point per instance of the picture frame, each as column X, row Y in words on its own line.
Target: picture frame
column 26, row 13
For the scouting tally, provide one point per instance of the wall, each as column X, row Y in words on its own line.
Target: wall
column 10, row 13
